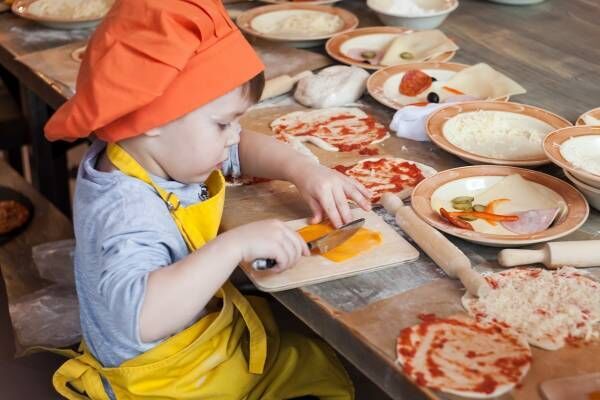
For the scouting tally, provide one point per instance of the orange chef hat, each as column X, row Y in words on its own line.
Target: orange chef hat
column 151, row 62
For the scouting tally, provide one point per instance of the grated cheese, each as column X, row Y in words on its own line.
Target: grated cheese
column 70, row 9
column 311, row 23
column 497, row 134
column 547, row 307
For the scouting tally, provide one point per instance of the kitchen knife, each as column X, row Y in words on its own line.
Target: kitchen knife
column 321, row 245
column 580, row 254
column 445, row 254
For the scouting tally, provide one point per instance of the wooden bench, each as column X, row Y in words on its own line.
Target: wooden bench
column 27, row 377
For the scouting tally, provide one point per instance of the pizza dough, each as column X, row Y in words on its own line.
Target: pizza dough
column 70, row 9
column 12, row 216
column 332, row 129
column 550, row 308
column 484, row 82
column 417, row 47
column 297, row 23
column 387, row 175
column 461, row 356
column 498, row 134
column 332, row 87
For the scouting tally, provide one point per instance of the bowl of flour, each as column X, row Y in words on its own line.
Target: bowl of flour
column 414, row 14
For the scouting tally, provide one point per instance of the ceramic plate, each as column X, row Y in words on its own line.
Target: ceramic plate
column 517, row 2
column 474, row 179
column 375, row 38
column 595, row 113
column 383, row 84
column 554, row 141
column 281, row 11
column 20, row 8
column 525, row 116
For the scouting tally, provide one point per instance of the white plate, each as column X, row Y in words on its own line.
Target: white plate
column 467, row 181
column 249, row 20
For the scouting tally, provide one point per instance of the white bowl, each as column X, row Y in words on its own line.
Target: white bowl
column 591, row 193
column 414, row 21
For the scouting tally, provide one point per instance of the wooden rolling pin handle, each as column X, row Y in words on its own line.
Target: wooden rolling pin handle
column 515, row 257
column 445, row 254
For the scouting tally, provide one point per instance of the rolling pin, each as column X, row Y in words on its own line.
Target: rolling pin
column 281, row 84
column 580, row 254
column 445, row 254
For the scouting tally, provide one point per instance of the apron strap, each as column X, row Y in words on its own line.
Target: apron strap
column 129, row 166
column 256, row 330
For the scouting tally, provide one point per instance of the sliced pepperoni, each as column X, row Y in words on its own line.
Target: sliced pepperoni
column 414, row 82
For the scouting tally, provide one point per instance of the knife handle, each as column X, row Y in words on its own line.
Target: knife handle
column 261, row 264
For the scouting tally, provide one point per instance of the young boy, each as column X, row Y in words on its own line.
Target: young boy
column 164, row 83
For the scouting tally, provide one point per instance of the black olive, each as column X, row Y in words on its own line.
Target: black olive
column 433, row 97
column 433, row 79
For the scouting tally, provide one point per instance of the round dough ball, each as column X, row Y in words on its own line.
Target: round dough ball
column 332, row 87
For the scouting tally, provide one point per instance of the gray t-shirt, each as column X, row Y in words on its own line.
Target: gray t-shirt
column 123, row 232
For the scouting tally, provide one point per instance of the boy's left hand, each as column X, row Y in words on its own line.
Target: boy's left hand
column 327, row 192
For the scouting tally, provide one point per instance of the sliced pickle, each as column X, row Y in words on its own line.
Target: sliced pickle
column 466, row 218
column 463, row 199
column 463, row 206
column 479, row 208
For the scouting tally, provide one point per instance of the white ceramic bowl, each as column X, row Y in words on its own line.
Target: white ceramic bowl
column 427, row 21
column 591, row 193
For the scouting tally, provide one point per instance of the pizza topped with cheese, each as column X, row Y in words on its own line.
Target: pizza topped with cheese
column 387, row 174
column 462, row 356
column 333, row 129
column 550, row 308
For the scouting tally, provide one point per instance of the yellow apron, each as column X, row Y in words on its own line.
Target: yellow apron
column 236, row 353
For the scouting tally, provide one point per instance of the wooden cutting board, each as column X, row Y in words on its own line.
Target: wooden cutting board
column 379, row 323
column 281, row 60
column 316, row 269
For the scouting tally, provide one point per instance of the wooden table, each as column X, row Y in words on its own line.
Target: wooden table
column 550, row 48
column 19, row 37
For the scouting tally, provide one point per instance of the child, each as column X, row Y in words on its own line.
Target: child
column 164, row 83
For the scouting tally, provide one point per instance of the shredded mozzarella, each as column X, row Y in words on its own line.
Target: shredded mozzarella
column 70, row 9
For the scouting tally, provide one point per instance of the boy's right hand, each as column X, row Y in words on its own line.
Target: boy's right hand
column 269, row 239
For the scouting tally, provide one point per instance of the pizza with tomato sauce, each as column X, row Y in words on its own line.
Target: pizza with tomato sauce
column 461, row 356
column 387, row 175
column 333, row 129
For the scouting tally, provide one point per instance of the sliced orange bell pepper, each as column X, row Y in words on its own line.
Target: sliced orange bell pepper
column 490, row 209
column 454, row 91
column 484, row 215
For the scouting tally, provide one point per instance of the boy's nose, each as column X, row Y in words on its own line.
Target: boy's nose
column 233, row 133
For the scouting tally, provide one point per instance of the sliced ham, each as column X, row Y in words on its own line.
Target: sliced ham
column 531, row 221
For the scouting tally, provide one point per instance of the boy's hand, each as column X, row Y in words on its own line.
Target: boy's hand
column 327, row 192
column 269, row 239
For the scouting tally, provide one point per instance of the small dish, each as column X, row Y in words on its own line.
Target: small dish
column 475, row 179
column 554, row 141
column 248, row 21
column 383, row 84
column 21, row 8
column 440, row 9
column 592, row 194
column 594, row 113
column 527, row 115
column 375, row 38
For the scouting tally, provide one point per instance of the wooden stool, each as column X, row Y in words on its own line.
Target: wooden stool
column 13, row 130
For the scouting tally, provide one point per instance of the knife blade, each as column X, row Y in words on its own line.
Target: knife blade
column 322, row 244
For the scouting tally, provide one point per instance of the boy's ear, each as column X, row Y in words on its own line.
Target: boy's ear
column 153, row 132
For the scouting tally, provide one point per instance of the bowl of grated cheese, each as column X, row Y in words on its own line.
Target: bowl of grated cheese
column 414, row 14
column 63, row 14
column 297, row 25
